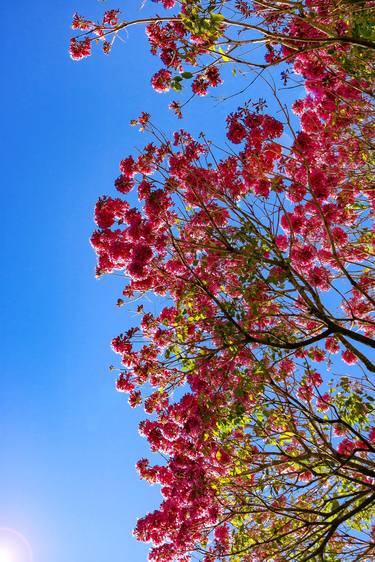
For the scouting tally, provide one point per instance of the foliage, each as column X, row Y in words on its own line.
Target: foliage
column 200, row 36
column 263, row 253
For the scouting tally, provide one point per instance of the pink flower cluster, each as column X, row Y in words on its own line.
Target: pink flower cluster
column 262, row 255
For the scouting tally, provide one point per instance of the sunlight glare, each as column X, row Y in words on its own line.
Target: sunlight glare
column 5, row 555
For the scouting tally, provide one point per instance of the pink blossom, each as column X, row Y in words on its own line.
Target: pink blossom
column 161, row 81
column 323, row 402
column 332, row 345
column 80, row 49
column 282, row 242
column 349, row 357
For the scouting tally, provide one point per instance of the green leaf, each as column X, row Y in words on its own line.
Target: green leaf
column 223, row 55
column 217, row 18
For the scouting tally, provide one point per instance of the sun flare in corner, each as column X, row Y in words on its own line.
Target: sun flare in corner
column 6, row 555
column 14, row 547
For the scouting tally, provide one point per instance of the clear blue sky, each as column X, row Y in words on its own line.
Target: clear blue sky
column 69, row 441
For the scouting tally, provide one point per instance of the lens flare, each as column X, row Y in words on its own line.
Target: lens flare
column 14, row 547
column 5, row 555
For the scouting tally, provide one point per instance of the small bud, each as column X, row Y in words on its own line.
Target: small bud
column 106, row 47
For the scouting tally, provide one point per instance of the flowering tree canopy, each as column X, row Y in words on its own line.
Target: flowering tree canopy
column 195, row 38
column 258, row 371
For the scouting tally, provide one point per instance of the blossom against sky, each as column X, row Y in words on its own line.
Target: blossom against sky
column 69, row 441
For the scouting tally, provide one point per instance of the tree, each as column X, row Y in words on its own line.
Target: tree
column 264, row 255
column 199, row 37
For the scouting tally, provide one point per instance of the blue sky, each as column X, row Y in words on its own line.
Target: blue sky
column 69, row 441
